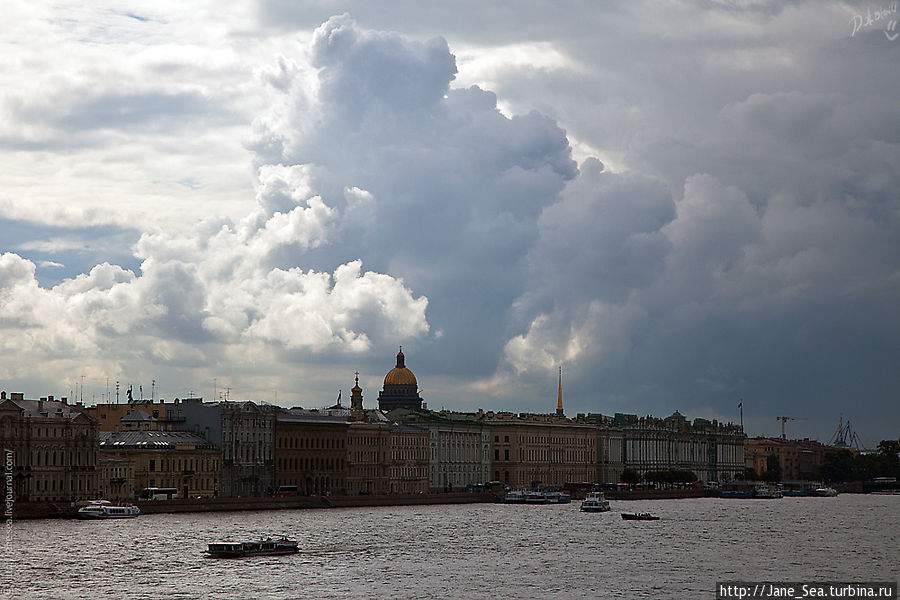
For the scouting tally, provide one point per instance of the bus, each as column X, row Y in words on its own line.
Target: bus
column 155, row 493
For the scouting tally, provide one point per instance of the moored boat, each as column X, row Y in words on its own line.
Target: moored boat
column 515, row 497
column 595, row 502
column 98, row 510
column 536, row 497
column 639, row 517
column 825, row 492
column 266, row 547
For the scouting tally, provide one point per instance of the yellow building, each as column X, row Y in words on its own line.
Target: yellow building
column 163, row 459
column 110, row 415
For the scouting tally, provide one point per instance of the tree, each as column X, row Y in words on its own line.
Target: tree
column 630, row 476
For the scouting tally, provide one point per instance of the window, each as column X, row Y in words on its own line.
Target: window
column 152, row 465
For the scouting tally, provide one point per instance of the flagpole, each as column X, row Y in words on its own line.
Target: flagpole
column 741, row 406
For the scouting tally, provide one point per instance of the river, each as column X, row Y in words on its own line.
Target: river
column 470, row 551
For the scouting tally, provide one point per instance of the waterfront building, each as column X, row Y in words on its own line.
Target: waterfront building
column 458, row 443
column 713, row 451
column 311, row 451
column 792, row 460
column 401, row 390
column 368, row 444
column 165, row 459
column 245, row 433
column 116, row 477
column 409, row 464
column 531, row 450
column 50, row 447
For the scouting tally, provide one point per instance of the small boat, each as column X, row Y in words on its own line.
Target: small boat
column 767, row 492
column 515, row 497
column 100, row 510
column 825, row 492
column 595, row 502
column 266, row 547
column 639, row 517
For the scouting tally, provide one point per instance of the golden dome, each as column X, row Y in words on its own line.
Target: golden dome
column 400, row 375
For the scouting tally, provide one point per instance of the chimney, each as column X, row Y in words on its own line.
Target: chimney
column 50, row 398
column 64, row 400
column 2, row 395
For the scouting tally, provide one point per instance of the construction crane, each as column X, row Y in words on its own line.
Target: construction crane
column 783, row 421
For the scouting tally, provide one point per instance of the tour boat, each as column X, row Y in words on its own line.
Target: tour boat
column 555, row 497
column 515, row 497
column 639, row 517
column 97, row 510
column 266, row 547
column 536, row 497
column 595, row 502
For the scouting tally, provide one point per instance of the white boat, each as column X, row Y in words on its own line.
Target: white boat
column 536, row 497
column 595, row 502
column 767, row 491
column 554, row 497
column 825, row 492
column 515, row 497
column 97, row 510
column 266, row 547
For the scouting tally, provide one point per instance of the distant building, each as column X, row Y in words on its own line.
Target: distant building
column 51, row 447
column 713, row 451
column 165, row 459
column 458, row 443
column 245, row 433
column 793, row 460
column 408, row 461
column 401, row 390
column 110, row 416
column 311, row 451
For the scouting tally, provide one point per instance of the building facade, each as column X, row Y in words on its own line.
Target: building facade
column 311, row 452
column 51, row 447
column 712, row 451
column 409, row 464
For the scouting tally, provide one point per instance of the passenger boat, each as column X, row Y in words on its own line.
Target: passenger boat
column 266, row 547
column 639, row 517
column 99, row 510
column 536, row 497
column 767, row 491
column 515, row 497
column 595, row 502
column 557, row 497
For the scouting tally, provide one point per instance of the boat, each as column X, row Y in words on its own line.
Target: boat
column 825, row 492
column 766, row 491
column 266, row 547
column 101, row 510
column 536, row 497
column 595, row 502
column 639, row 517
column 555, row 497
column 515, row 497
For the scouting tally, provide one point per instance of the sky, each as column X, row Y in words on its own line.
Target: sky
column 683, row 206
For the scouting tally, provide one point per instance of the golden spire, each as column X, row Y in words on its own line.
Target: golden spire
column 559, row 408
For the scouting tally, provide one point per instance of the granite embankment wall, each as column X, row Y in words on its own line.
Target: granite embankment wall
column 42, row 510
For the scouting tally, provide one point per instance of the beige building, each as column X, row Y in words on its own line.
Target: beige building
column 110, row 416
column 116, row 477
column 51, row 448
column 162, row 459
column 531, row 450
column 368, row 446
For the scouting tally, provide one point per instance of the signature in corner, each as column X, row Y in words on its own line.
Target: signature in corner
column 859, row 21
column 891, row 26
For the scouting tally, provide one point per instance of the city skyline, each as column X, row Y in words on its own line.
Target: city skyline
column 686, row 207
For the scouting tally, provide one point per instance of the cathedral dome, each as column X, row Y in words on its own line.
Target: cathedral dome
column 400, row 375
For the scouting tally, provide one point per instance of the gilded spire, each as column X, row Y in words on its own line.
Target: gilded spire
column 559, row 408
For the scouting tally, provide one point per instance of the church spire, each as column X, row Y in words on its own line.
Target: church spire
column 559, row 408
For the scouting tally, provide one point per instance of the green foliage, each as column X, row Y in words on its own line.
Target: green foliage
column 844, row 466
column 671, row 476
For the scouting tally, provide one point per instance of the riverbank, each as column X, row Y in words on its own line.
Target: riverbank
column 58, row 510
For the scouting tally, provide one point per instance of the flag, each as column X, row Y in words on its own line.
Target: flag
column 740, row 404
column 339, row 396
